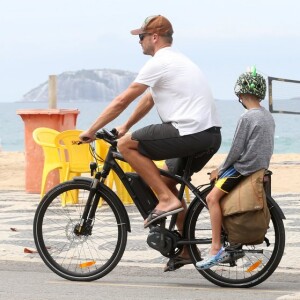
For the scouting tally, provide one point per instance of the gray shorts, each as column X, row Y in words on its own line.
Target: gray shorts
column 163, row 142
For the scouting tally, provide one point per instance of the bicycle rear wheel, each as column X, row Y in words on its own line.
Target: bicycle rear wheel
column 252, row 264
column 79, row 257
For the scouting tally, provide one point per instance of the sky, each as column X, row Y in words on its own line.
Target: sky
column 48, row 37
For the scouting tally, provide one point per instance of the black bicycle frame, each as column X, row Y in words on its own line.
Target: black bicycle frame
column 110, row 164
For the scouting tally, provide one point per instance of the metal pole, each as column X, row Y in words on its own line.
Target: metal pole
column 52, row 91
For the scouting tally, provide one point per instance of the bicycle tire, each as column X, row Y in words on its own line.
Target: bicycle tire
column 73, row 257
column 251, row 269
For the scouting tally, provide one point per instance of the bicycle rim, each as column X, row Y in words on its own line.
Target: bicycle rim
column 86, row 257
column 257, row 262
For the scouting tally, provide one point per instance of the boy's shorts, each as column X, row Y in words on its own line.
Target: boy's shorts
column 163, row 142
column 228, row 180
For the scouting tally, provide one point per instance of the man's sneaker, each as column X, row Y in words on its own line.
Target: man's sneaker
column 213, row 260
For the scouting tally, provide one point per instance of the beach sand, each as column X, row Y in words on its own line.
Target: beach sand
column 285, row 168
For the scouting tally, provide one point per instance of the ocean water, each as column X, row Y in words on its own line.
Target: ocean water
column 287, row 137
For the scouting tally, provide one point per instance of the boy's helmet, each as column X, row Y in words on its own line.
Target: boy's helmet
column 251, row 83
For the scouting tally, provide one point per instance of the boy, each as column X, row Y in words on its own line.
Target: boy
column 251, row 150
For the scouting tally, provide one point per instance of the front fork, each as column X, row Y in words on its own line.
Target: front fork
column 86, row 223
column 87, row 220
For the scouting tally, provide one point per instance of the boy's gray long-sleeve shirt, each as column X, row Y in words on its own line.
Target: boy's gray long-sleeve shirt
column 253, row 142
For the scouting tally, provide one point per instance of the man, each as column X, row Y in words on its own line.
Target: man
column 190, row 125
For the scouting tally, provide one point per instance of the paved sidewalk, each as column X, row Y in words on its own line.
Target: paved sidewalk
column 17, row 212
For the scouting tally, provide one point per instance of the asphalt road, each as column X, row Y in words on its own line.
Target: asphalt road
column 34, row 281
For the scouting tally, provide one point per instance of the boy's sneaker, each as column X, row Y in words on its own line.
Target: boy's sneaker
column 213, row 260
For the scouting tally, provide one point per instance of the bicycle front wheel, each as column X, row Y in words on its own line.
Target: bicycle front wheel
column 251, row 265
column 79, row 257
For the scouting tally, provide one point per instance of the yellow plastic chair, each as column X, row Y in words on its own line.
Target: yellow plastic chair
column 77, row 159
column 53, row 155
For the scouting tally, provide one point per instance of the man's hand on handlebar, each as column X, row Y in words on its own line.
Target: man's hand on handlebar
column 87, row 137
column 121, row 130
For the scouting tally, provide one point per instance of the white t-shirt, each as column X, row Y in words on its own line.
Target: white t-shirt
column 180, row 92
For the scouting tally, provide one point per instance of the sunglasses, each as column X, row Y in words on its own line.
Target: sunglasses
column 142, row 36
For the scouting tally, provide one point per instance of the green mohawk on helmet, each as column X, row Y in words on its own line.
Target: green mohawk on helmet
column 251, row 83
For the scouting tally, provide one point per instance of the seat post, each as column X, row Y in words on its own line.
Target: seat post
column 186, row 174
column 187, row 170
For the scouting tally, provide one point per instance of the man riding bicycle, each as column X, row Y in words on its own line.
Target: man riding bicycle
column 190, row 124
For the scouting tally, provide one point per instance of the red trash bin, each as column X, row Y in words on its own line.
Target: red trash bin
column 58, row 119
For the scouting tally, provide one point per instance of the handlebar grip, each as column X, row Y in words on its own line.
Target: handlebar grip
column 100, row 135
column 115, row 132
column 85, row 138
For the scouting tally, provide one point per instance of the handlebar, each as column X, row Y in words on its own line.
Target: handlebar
column 108, row 136
column 104, row 134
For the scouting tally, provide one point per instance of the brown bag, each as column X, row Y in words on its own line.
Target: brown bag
column 245, row 211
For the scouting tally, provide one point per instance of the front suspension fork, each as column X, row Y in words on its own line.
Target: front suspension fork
column 87, row 219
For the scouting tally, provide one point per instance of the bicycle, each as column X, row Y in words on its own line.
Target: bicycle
column 85, row 239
